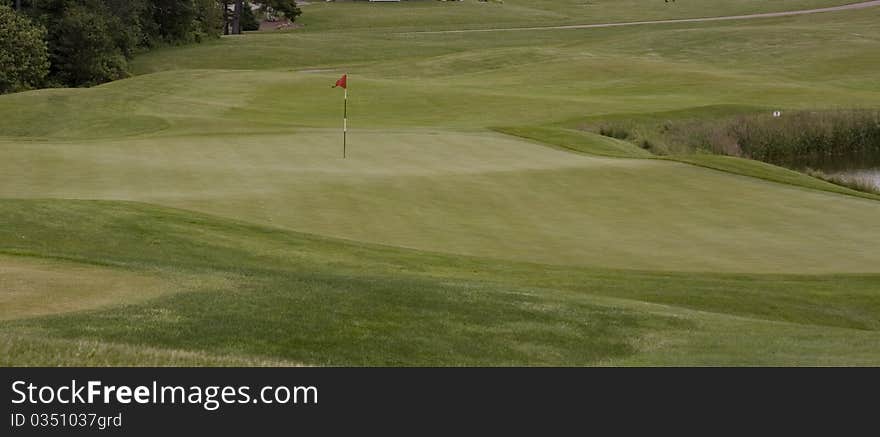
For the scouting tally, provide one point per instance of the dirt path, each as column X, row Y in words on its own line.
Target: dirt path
column 861, row 5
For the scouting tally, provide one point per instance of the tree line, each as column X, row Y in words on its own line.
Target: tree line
column 53, row 43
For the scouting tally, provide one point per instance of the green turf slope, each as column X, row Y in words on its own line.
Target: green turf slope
column 279, row 297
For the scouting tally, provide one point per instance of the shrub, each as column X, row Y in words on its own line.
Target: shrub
column 797, row 139
column 614, row 131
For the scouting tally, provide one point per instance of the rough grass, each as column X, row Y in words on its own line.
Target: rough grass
column 795, row 139
column 312, row 300
column 291, row 305
column 34, row 287
column 35, row 349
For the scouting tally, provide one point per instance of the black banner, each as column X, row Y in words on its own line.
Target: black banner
column 333, row 401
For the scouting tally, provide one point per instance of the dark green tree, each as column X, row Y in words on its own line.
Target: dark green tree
column 174, row 20
column 249, row 20
column 24, row 58
column 208, row 20
column 84, row 46
column 91, row 41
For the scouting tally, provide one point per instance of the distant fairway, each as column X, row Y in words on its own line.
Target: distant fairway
column 208, row 196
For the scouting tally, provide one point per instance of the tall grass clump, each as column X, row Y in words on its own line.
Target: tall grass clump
column 796, row 139
column 806, row 138
column 615, row 131
column 633, row 133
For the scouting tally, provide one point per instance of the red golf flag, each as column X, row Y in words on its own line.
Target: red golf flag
column 342, row 82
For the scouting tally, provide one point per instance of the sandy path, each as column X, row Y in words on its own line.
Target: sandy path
column 861, row 5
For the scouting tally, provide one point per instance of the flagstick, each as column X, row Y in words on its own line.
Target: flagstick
column 344, row 121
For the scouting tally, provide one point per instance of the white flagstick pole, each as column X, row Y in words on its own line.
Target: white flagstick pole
column 344, row 120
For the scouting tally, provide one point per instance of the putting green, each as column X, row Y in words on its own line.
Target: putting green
column 472, row 193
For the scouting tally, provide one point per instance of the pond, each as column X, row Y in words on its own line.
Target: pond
column 871, row 175
column 860, row 168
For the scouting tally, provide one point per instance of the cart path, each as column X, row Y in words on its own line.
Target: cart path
column 860, row 5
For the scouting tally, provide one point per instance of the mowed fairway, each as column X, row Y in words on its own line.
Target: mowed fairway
column 209, row 198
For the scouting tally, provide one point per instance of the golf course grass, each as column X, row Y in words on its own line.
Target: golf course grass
column 200, row 212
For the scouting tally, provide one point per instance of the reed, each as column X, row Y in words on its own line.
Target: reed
column 795, row 139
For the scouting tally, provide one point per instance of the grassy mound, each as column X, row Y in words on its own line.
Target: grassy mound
column 283, row 297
